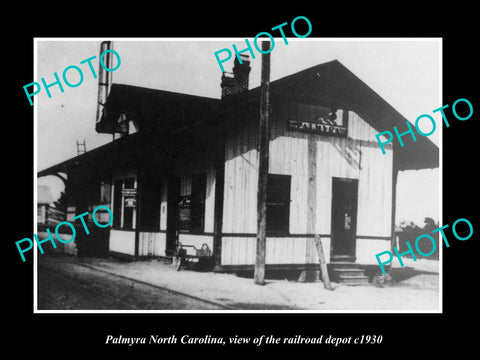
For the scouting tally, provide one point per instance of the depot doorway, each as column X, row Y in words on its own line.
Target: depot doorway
column 344, row 219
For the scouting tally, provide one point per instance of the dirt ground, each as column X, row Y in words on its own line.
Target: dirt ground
column 81, row 288
column 67, row 282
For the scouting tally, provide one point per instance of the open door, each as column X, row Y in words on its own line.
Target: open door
column 344, row 219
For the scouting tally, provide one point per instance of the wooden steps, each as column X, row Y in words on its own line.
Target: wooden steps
column 165, row 259
column 348, row 273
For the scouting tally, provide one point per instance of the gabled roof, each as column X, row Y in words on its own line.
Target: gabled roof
column 121, row 150
column 150, row 108
column 173, row 112
column 333, row 82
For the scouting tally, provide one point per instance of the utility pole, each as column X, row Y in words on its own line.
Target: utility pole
column 263, row 149
column 323, row 263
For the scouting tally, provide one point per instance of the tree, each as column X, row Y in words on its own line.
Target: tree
column 56, row 213
column 410, row 232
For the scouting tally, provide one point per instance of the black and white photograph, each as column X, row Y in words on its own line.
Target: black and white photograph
column 168, row 184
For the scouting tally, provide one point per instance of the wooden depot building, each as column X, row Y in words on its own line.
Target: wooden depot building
column 185, row 169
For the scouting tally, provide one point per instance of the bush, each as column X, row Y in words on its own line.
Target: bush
column 411, row 231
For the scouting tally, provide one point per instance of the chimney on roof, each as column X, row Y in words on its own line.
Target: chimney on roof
column 237, row 81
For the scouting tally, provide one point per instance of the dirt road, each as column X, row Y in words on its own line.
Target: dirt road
column 82, row 288
column 72, row 283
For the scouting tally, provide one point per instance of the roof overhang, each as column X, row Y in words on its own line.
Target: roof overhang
column 150, row 109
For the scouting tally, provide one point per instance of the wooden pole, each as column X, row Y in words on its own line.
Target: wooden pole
column 323, row 263
column 218, row 203
column 263, row 149
column 394, row 208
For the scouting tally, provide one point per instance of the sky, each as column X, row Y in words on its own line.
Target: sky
column 404, row 72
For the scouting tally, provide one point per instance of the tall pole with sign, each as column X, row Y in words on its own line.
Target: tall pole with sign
column 263, row 150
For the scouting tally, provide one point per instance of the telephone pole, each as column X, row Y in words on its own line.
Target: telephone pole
column 263, row 150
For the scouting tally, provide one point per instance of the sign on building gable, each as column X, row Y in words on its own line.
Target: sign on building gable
column 318, row 120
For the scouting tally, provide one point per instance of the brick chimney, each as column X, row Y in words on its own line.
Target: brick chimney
column 237, row 81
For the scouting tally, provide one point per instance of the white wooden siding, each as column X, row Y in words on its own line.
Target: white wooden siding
column 151, row 244
column 279, row 250
column 122, row 242
column 357, row 157
column 366, row 249
column 241, row 177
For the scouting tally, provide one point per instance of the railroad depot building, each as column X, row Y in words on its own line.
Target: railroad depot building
column 185, row 170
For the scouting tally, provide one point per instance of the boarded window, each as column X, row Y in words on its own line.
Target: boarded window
column 278, row 204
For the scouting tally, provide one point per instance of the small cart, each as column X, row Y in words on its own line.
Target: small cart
column 189, row 257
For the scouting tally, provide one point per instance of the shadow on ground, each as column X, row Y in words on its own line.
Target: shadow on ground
column 405, row 273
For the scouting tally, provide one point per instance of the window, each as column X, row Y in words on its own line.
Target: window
column 278, row 204
column 191, row 204
column 124, row 203
column 129, row 200
column 199, row 186
column 117, row 204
